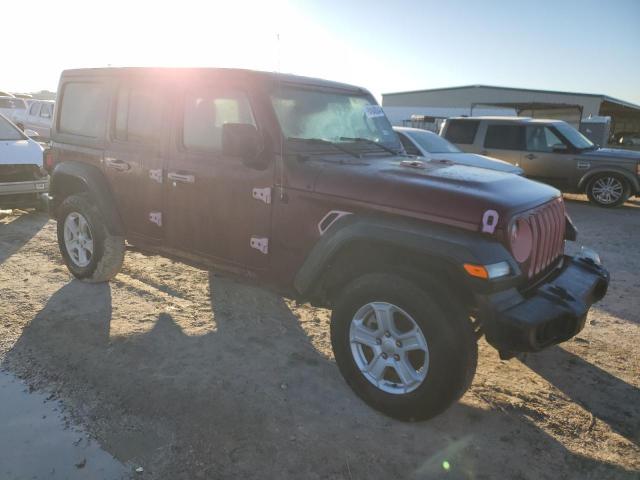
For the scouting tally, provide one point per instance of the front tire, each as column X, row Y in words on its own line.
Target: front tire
column 401, row 351
column 608, row 190
column 90, row 252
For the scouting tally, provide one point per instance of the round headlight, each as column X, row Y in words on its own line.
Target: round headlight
column 521, row 240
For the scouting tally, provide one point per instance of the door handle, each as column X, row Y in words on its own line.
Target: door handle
column 531, row 156
column 116, row 164
column 181, row 177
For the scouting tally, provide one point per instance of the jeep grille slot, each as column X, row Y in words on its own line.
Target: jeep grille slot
column 547, row 225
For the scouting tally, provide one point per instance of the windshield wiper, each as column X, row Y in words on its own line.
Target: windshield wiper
column 320, row 141
column 372, row 142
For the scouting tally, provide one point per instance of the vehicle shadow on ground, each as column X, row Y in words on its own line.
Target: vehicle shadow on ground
column 606, row 397
column 252, row 398
column 16, row 231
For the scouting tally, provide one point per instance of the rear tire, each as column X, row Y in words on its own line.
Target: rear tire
column 451, row 354
column 91, row 253
column 608, row 190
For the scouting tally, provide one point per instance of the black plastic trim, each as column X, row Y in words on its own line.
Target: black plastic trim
column 94, row 183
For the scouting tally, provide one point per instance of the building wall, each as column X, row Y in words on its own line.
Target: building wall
column 463, row 98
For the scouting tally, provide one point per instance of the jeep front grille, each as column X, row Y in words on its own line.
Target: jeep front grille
column 548, row 228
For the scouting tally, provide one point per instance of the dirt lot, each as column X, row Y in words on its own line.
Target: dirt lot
column 194, row 376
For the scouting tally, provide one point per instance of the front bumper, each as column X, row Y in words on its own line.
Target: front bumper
column 552, row 313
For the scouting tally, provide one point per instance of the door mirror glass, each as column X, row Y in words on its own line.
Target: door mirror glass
column 560, row 148
column 31, row 133
column 243, row 140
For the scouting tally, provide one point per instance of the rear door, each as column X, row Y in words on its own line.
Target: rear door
column 135, row 154
column 505, row 142
column 548, row 158
column 43, row 121
column 463, row 133
column 217, row 206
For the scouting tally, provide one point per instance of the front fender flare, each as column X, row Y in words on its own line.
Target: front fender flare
column 633, row 181
column 451, row 245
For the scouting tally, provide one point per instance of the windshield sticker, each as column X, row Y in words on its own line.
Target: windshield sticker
column 373, row 111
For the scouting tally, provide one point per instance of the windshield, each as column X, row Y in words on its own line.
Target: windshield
column 577, row 139
column 331, row 116
column 15, row 103
column 431, row 142
column 8, row 131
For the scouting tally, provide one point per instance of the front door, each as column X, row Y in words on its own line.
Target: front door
column 547, row 158
column 217, row 206
column 134, row 157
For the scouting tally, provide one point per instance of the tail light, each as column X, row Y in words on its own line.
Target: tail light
column 48, row 160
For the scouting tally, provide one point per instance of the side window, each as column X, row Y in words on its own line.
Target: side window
column 84, row 109
column 542, row 139
column 139, row 115
column 462, row 131
column 206, row 112
column 35, row 107
column 408, row 145
column 505, row 137
column 45, row 112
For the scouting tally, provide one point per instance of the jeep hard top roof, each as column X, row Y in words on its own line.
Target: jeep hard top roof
column 506, row 119
column 269, row 77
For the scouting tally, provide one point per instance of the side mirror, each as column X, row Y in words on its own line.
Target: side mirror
column 30, row 133
column 243, row 140
column 560, row 148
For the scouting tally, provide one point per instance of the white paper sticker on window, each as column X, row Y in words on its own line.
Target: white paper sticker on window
column 373, row 111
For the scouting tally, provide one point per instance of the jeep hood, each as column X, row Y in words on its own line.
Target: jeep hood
column 456, row 195
column 613, row 154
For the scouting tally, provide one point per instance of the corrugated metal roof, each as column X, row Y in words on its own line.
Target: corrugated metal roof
column 529, row 90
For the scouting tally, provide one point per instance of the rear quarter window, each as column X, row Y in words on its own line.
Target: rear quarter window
column 461, row 131
column 505, row 137
column 83, row 109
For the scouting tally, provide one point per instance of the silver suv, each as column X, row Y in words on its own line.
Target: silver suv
column 551, row 151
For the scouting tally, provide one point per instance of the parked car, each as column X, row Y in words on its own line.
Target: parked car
column 23, row 181
column 9, row 106
column 38, row 118
column 554, row 152
column 630, row 139
column 429, row 145
column 298, row 184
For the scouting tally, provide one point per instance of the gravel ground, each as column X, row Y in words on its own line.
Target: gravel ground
column 192, row 375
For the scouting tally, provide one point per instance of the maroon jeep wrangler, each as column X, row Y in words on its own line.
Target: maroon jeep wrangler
column 301, row 185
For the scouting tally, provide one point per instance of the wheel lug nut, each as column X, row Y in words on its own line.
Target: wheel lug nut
column 384, row 355
column 396, row 357
column 398, row 343
column 378, row 341
column 387, row 334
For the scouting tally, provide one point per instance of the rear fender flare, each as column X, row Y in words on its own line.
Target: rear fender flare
column 93, row 182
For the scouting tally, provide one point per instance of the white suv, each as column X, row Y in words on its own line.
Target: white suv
column 38, row 117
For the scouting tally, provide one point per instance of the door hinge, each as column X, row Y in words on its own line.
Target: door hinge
column 156, row 217
column 260, row 243
column 156, row 175
column 262, row 194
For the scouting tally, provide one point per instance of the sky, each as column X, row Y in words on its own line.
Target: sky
column 386, row 46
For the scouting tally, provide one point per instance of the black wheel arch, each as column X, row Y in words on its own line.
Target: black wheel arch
column 428, row 254
column 69, row 177
column 634, row 183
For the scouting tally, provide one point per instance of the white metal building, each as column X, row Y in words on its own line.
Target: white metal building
column 475, row 100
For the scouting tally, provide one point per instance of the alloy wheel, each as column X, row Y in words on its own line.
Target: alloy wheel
column 78, row 239
column 389, row 347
